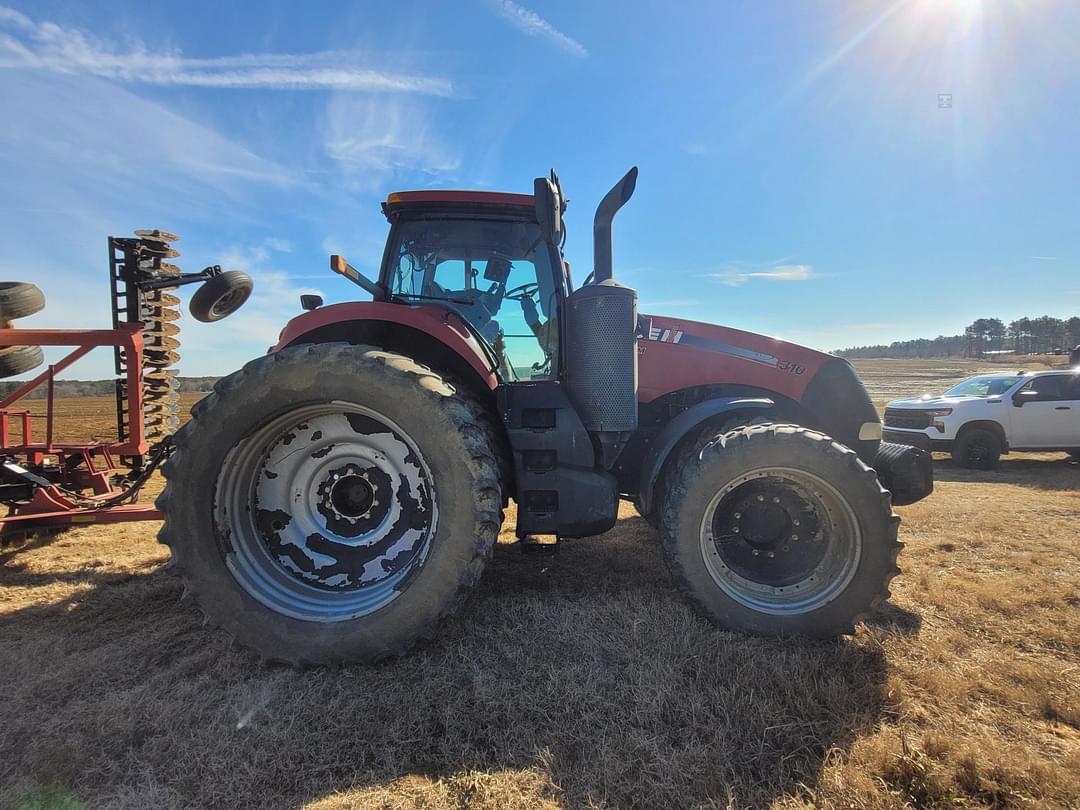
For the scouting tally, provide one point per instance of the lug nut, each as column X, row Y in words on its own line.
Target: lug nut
column 761, row 498
column 786, row 548
column 775, row 499
column 738, row 515
column 795, row 538
column 795, row 522
column 772, row 553
column 755, row 552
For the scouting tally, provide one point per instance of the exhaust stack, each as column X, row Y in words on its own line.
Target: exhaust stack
column 605, row 213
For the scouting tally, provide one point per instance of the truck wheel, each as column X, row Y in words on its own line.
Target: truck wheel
column 331, row 503
column 776, row 530
column 19, row 299
column 977, row 449
column 17, row 359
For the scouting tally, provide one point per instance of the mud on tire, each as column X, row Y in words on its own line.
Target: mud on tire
column 777, row 530
column 338, row 595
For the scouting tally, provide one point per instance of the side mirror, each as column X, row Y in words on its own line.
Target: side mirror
column 549, row 204
column 309, row 302
column 1020, row 397
column 343, row 268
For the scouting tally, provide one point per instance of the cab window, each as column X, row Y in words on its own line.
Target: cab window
column 497, row 275
column 1050, row 388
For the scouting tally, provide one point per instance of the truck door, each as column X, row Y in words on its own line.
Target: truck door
column 1048, row 414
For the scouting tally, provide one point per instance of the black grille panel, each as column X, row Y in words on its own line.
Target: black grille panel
column 911, row 420
column 601, row 356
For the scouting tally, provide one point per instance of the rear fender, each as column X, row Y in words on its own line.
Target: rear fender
column 366, row 321
column 675, row 430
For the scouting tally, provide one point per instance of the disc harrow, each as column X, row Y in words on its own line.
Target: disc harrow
column 50, row 484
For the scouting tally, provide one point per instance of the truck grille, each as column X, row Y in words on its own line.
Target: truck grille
column 902, row 418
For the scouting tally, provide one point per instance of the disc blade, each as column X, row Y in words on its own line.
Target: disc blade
column 156, row 235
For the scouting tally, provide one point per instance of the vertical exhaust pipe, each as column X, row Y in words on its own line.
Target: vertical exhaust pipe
column 605, row 213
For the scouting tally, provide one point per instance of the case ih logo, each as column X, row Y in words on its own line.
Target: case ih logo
column 662, row 335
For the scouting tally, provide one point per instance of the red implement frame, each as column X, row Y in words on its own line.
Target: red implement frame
column 79, row 465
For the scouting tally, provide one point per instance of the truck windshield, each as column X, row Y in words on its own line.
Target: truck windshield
column 983, row 387
column 496, row 275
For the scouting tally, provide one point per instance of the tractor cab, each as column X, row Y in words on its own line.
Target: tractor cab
column 483, row 256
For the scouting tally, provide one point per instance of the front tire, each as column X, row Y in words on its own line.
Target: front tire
column 777, row 530
column 977, row 449
column 331, row 503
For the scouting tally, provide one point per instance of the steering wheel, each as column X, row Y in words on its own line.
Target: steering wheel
column 524, row 292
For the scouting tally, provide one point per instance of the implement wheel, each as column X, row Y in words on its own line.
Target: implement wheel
column 776, row 529
column 19, row 299
column 331, row 503
column 220, row 296
column 18, row 359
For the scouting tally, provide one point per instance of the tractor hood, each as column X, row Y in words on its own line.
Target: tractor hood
column 675, row 354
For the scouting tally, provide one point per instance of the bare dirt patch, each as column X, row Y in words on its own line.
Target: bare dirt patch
column 577, row 680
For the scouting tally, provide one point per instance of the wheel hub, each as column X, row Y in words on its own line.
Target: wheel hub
column 340, row 511
column 772, row 539
column 352, row 496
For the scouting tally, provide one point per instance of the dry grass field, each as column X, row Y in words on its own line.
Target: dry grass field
column 578, row 680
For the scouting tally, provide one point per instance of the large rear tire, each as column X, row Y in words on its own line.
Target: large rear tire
column 331, row 503
column 778, row 530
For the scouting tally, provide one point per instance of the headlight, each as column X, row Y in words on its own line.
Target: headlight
column 940, row 412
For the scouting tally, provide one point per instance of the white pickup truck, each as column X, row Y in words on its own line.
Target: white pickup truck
column 985, row 416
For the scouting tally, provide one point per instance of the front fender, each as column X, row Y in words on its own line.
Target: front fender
column 674, row 431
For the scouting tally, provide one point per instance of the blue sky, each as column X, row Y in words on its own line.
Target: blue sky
column 800, row 175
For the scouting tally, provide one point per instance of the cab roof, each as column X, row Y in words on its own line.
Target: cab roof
column 463, row 197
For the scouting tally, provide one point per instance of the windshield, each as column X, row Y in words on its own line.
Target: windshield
column 496, row 275
column 983, row 387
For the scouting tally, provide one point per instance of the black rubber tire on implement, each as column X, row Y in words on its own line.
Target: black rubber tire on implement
column 731, row 456
column 977, row 449
column 17, row 359
column 448, row 430
column 220, row 296
column 19, row 299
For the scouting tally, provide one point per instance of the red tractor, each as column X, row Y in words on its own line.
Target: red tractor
column 336, row 498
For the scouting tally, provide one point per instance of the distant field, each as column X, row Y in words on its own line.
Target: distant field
column 891, row 379
column 581, row 680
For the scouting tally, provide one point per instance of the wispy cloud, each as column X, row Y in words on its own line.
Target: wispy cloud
column 532, row 24
column 25, row 43
column 1047, row 258
column 373, row 137
column 738, row 273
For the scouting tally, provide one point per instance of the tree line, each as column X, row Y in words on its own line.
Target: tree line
column 984, row 336
column 98, row 388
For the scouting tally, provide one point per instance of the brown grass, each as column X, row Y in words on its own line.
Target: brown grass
column 577, row 680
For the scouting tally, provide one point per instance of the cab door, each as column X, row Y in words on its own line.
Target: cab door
column 1046, row 412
